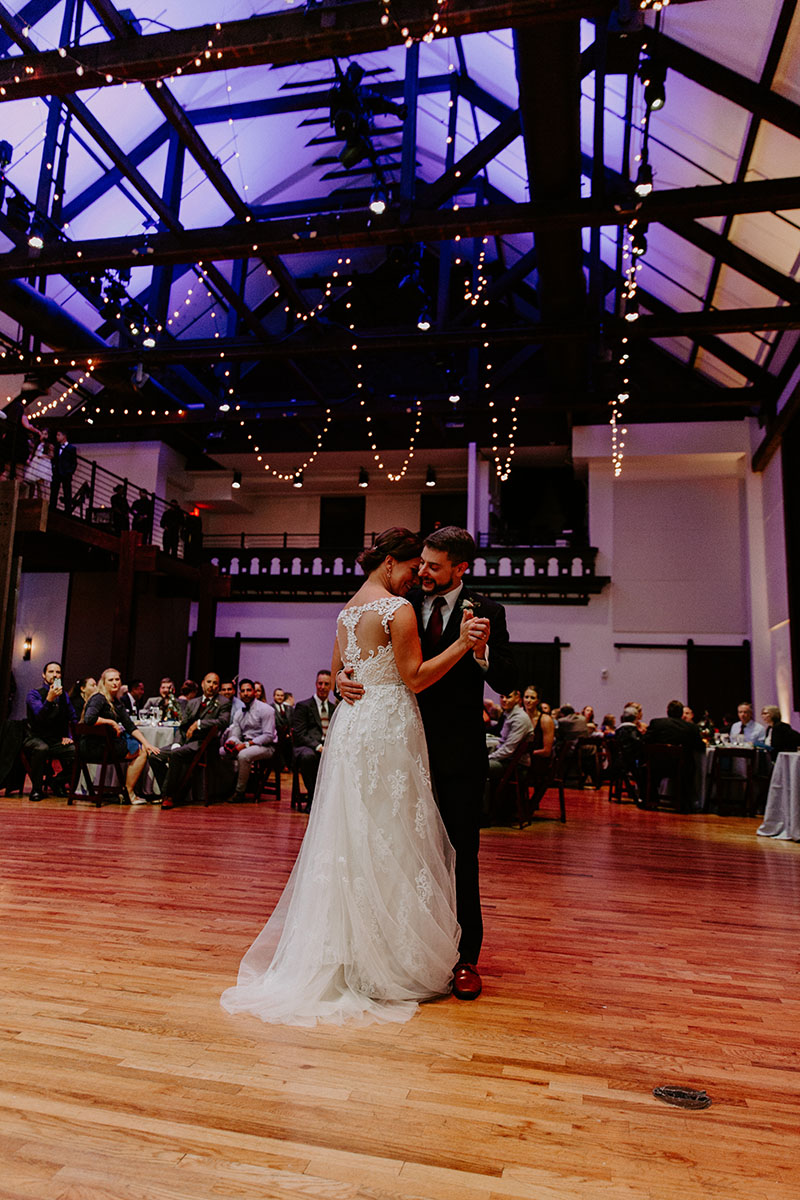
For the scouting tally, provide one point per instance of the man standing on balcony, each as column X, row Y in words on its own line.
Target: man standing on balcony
column 65, row 460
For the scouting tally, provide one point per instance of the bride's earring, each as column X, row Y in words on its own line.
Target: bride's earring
column 388, row 583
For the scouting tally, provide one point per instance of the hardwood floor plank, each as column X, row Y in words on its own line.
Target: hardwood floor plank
column 623, row 950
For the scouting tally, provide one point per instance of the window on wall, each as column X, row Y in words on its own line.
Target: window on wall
column 540, row 506
column 341, row 522
column 446, row 508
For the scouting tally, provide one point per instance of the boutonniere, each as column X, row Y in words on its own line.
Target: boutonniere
column 469, row 606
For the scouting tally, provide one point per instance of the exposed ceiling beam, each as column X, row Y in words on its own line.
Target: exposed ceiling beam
column 662, row 325
column 355, row 229
column 303, row 35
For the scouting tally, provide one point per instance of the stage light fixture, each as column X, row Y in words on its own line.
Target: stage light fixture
column 363, row 478
column 298, row 480
column 237, row 480
column 653, row 76
column 424, row 320
column 454, row 397
column 18, row 212
column 430, row 477
column 377, row 203
column 6, row 155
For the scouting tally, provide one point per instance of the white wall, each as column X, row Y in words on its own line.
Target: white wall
column 42, row 614
column 150, row 465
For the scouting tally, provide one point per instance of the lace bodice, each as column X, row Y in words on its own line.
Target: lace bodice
column 365, row 641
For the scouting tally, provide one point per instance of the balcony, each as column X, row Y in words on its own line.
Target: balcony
column 271, row 568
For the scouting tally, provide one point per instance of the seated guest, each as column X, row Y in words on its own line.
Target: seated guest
column 779, row 736
column 166, row 701
column 283, row 725
column 227, row 690
column 629, row 744
column 608, row 724
column 260, row 690
column 189, row 690
column 544, row 732
column 516, row 726
column 251, row 737
column 132, row 698
column 50, row 716
column 747, row 728
column 588, row 716
column 688, row 714
column 310, row 726
column 80, row 692
column 106, row 708
column 570, row 724
column 672, row 730
column 207, row 712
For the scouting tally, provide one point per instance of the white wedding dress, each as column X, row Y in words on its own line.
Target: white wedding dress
column 366, row 925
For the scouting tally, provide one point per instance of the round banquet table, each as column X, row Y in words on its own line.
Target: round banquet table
column 163, row 734
column 782, row 814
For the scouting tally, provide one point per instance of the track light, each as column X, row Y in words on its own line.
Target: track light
column 454, row 397
column 424, row 320
column 653, row 75
column 149, row 341
column 377, row 203
column 237, row 480
column 644, row 180
column 363, row 478
column 430, row 478
column 298, row 480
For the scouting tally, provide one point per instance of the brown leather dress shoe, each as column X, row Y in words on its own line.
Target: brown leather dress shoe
column 466, row 982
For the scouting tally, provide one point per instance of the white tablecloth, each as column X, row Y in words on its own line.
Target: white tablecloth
column 782, row 815
column 159, row 736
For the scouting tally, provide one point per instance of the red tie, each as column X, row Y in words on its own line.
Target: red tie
column 436, row 621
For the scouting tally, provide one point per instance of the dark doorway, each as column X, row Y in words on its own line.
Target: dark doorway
column 446, row 508
column 341, row 522
column 718, row 679
column 225, row 659
column 539, row 663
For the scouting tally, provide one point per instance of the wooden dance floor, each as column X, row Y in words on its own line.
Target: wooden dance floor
column 623, row 951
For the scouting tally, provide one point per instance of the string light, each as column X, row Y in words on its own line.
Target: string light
column 297, row 472
column 436, row 23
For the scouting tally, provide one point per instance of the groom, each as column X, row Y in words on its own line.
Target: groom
column 452, row 713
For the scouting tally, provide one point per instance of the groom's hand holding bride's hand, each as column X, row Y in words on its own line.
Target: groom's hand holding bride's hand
column 479, row 629
column 349, row 689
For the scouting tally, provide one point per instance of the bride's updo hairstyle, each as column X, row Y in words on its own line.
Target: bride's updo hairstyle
column 401, row 543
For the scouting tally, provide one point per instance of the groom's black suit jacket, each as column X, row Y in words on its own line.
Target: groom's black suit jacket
column 452, row 708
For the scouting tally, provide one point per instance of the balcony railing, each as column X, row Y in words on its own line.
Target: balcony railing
column 533, row 575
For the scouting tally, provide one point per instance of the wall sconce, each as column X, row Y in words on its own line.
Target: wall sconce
column 27, row 647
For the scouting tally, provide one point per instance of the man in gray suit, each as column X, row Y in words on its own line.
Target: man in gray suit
column 208, row 711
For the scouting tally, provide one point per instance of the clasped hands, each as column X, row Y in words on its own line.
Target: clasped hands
column 475, row 630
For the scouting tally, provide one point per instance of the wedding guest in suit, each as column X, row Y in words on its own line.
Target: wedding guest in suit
column 309, row 729
column 779, row 736
column 283, row 724
column 452, row 715
column 50, row 717
column 746, row 727
column 251, row 737
column 205, row 713
column 166, row 701
column 172, row 524
column 133, row 696
column 65, row 461
column 142, row 516
column 672, row 730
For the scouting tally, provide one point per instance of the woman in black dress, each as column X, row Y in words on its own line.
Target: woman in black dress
column 106, row 708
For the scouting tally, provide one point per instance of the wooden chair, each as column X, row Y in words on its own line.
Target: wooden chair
column 300, row 797
column 621, row 777
column 664, row 762
column 265, row 776
column 514, row 781
column 561, row 760
column 725, row 778
column 202, row 760
column 106, row 737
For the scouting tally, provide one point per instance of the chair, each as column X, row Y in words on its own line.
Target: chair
column 664, row 762
column 201, row 760
column 724, row 772
column 300, row 797
column 265, row 776
column 515, row 780
column 621, row 776
column 99, row 791
column 561, row 760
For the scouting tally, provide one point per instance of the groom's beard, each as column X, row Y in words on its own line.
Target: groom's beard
column 438, row 589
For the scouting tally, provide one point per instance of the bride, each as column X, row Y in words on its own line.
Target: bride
column 366, row 925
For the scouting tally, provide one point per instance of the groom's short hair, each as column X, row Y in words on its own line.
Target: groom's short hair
column 457, row 544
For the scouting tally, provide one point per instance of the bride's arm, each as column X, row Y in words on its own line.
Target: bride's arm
column 414, row 672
